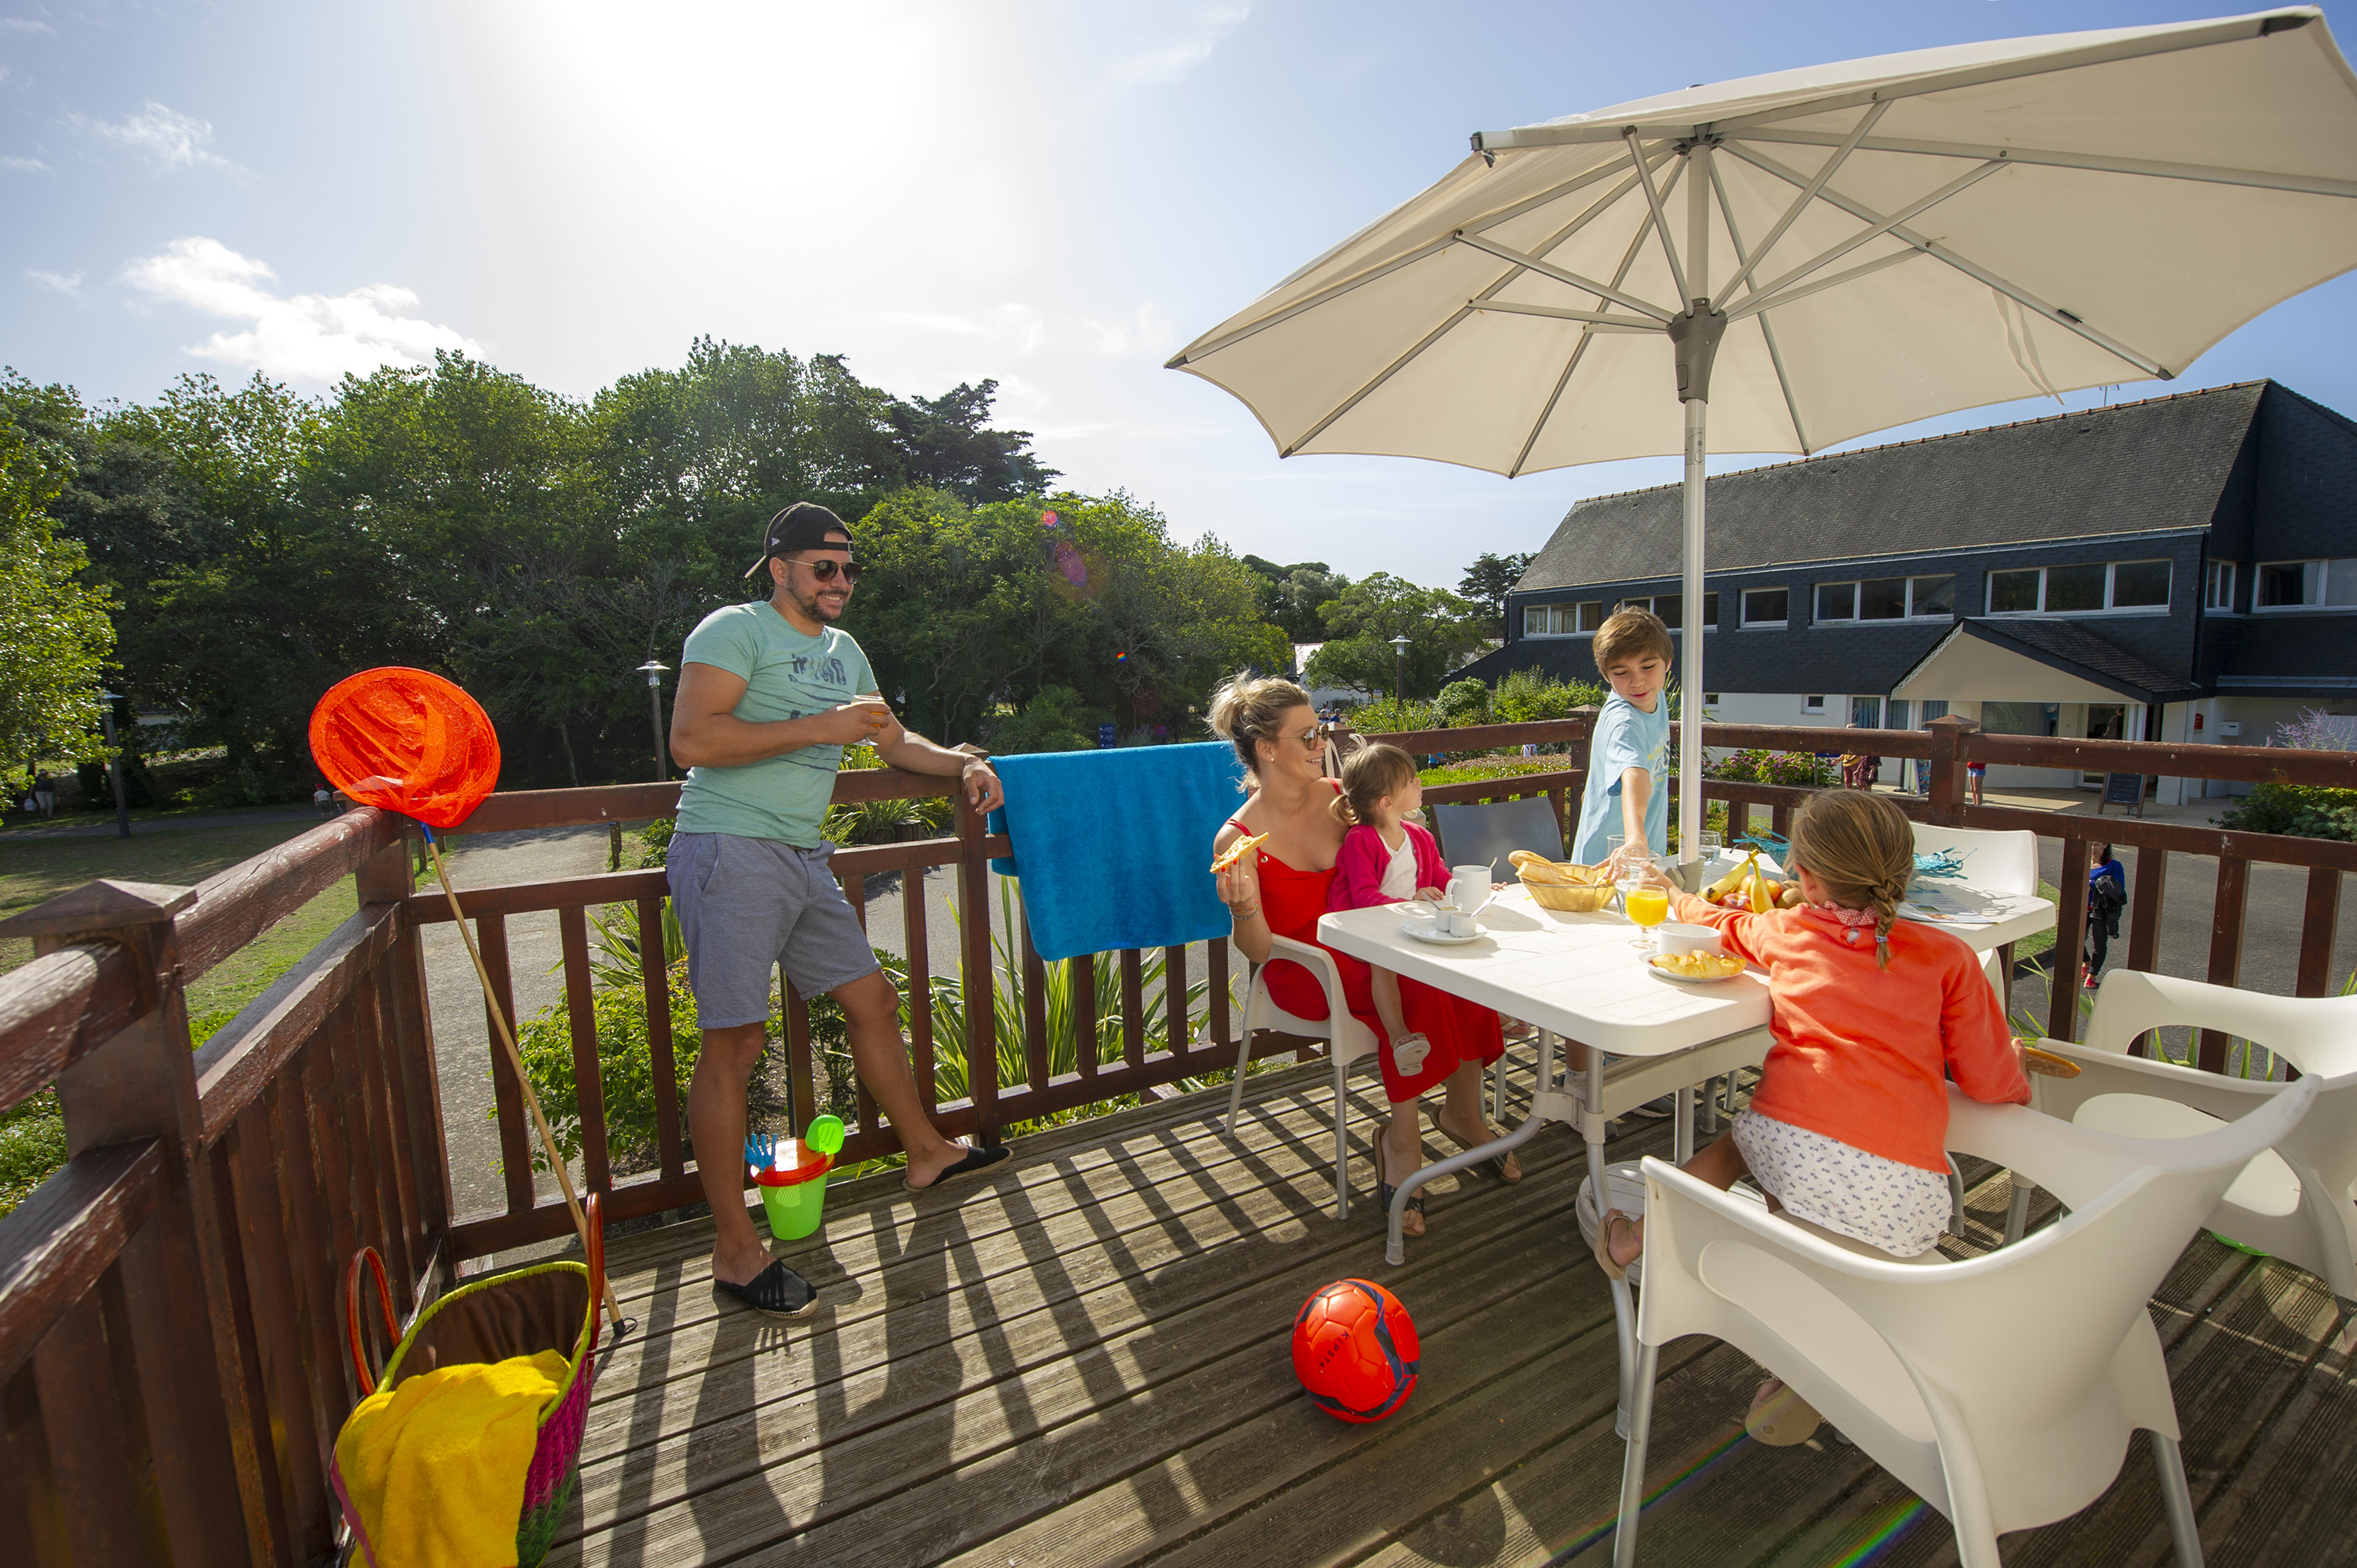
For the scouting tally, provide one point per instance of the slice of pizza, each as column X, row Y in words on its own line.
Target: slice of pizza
column 1236, row 851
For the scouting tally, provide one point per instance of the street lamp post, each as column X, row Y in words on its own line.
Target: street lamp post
column 1399, row 667
column 654, row 674
column 115, row 763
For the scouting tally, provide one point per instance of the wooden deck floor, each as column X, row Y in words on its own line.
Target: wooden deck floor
column 1086, row 1363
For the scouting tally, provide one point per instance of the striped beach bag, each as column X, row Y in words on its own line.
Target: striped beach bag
column 546, row 1306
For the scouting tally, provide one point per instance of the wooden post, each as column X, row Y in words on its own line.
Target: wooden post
column 1949, row 793
column 2319, row 918
column 174, row 1280
column 974, row 972
column 2225, row 947
column 2070, row 942
column 385, row 878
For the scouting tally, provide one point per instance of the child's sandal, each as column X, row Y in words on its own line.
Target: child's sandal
column 1613, row 1271
column 1780, row 1418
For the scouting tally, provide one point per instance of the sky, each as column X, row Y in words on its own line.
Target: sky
column 1058, row 196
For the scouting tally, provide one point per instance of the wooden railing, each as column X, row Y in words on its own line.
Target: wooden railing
column 170, row 1367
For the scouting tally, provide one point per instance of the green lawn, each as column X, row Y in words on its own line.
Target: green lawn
column 32, row 870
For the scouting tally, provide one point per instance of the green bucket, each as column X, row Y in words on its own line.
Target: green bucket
column 794, row 1191
column 795, row 1209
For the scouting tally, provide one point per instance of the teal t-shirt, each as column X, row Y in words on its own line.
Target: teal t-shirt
column 1626, row 737
column 787, row 676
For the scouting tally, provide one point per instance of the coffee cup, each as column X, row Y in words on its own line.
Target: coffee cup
column 1453, row 922
column 1469, row 886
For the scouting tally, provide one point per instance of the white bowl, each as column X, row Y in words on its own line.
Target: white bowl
column 1676, row 937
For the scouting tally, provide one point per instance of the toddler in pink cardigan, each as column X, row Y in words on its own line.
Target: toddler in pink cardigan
column 1430, row 1037
column 1386, row 859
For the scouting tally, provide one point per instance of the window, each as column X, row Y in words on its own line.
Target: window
column 2088, row 590
column 1895, row 715
column 1865, row 713
column 1934, row 708
column 2292, row 584
column 2137, row 585
column 2013, row 593
column 1764, row 607
column 1669, row 607
column 1932, row 596
column 1887, row 598
column 1882, row 598
column 1813, row 704
column 2221, row 596
column 2021, row 718
column 1562, row 620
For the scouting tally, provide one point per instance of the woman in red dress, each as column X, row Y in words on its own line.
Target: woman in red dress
column 1280, row 890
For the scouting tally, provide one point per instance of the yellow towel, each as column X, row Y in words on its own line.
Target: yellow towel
column 436, row 1466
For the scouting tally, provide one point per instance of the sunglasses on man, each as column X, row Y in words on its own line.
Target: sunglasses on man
column 826, row 566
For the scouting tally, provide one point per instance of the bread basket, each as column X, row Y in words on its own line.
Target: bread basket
column 1558, row 884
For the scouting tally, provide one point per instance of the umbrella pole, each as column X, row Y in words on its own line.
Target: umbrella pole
column 1692, row 635
column 515, row 1062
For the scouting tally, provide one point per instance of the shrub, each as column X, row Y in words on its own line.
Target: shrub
column 1463, row 702
column 1389, row 715
column 626, row 1069
column 1796, row 769
column 1051, row 721
column 2302, row 810
column 32, row 1147
column 1528, row 697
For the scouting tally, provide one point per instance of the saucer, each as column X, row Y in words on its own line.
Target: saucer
column 1430, row 931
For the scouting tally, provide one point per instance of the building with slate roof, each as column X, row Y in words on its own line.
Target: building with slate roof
column 2184, row 567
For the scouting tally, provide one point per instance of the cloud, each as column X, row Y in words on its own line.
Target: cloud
column 173, row 139
column 64, row 283
column 24, row 25
column 29, row 166
column 1168, row 62
column 302, row 337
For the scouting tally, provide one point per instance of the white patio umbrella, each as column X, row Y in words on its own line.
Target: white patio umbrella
column 1815, row 254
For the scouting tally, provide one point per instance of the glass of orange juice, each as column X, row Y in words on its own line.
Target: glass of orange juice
column 1647, row 907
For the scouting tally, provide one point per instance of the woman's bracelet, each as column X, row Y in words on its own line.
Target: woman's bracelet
column 1245, row 911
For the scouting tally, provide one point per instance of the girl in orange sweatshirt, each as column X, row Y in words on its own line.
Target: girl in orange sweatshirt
column 1847, row 1127
column 1871, row 1015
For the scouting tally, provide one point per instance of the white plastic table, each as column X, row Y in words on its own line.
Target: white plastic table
column 1576, row 976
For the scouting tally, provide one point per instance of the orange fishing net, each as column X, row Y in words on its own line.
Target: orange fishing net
column 407, row 741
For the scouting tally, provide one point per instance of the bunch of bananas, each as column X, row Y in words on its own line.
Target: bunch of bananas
column 1747, row 887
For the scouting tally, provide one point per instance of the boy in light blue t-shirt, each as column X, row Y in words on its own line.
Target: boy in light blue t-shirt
column 1628, row 754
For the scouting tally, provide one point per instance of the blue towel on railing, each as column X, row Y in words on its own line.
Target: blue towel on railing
column 1112, row 845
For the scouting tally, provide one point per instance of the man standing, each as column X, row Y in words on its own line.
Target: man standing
column 769, row 694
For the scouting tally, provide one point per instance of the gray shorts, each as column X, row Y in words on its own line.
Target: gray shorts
column 747, row 906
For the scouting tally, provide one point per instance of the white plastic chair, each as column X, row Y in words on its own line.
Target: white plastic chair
column 1347, row 1041
column 2001, row 861
column 2292, row 1202
column 2002, row 1390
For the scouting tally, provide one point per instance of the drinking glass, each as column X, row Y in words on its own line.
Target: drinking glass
column 1647, row 907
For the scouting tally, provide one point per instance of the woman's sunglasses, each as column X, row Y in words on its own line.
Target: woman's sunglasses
column 826, row 566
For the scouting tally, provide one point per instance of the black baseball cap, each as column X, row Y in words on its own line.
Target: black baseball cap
column 801, row 526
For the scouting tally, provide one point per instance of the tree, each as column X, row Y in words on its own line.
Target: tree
column 965, row 608
column 943, row 445
column 1292, row 596
column 1490, row 579
column 54, row 632
column 1442, row 630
